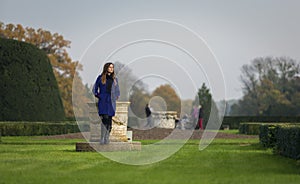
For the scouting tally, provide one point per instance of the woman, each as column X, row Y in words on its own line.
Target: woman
column 106, row 89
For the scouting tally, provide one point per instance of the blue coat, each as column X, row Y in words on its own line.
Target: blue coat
column 107, row 101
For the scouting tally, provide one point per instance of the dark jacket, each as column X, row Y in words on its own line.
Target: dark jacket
column 201, row 113
column 107, row 95
column 148, row 111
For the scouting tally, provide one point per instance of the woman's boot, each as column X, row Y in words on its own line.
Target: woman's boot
column 106, row 138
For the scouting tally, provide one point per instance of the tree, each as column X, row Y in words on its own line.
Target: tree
column 270, row 87
column 168, row 94
column 56, row 48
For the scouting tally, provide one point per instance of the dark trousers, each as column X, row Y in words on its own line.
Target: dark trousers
column 106, row 126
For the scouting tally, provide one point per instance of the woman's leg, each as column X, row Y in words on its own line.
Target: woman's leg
column 103, row 129
column 107, row 121
column 108, row 127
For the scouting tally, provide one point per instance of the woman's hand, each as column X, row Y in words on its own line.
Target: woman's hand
column 97, row 95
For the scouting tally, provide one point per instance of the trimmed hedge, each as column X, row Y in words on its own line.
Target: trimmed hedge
column 40, row 128
column 288, row 141
column 234, row 121
column 267, row 134
column 29, row 91
column 249, row 128
column 284, row 139
column 255, row 128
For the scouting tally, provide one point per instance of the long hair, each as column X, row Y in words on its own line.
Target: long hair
column 104, row 72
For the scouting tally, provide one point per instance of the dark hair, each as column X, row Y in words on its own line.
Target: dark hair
column 104, row 72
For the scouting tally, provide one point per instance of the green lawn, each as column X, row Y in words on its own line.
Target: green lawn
column 32, row 160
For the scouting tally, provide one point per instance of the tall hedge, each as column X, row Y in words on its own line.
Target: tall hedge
column 29, row 91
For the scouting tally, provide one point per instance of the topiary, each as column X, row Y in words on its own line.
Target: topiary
column 29, row 91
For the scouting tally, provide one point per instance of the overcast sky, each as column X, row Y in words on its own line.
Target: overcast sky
column 234, row 32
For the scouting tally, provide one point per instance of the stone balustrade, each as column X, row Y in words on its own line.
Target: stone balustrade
column 164, row 119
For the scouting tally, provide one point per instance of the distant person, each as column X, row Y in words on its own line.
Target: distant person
column 177, row 120
column 106, row 89
column 148, row 115
column 195, row 116
column 200, row 120
column 184, row 121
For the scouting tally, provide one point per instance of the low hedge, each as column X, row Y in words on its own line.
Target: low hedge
column 40, row 128
column 267, row 134
column 234, row 121
column 284, row 139
column 288, row 141
column 249, row 128
column 252, row 128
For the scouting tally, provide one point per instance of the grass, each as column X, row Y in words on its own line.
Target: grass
column 33, row 160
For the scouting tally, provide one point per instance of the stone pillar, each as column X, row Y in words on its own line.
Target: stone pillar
column 95, row 127
column 119, row 124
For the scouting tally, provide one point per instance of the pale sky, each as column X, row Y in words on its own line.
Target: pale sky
column 235, row 32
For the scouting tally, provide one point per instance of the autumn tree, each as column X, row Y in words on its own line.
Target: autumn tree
column 168, row 94
column 271, row 87
column 56, row 48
